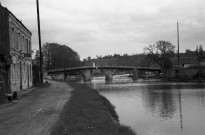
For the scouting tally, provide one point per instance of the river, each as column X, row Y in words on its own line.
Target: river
column 153, row 107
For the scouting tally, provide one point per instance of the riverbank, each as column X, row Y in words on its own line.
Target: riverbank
column 89, row 113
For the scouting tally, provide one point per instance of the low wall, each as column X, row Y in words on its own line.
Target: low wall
column 188, row 73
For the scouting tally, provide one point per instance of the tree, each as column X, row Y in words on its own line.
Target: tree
column 160, row 54
column 199, row 54
column 59, row 56
column 36, row 68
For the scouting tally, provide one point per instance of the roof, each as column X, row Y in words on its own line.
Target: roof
column 185, row 60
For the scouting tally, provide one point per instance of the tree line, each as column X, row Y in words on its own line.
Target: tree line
column 58, row 56
column 158, row 55
column 155, row 55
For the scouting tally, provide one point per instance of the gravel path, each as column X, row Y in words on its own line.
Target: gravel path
column 36, row 112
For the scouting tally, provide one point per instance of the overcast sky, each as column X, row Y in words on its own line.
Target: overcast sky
column 102, row 27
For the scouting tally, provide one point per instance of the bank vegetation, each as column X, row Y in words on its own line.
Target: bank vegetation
column 89, row 113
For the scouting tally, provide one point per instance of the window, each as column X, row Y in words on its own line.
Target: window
column 22, row 46
column 16, row 40
column 13, row 37
column 30, row 73
column 24, row 69
column 12, row 71
column 29, row 47
column 19, row 40
column 14, row 75
column 25, row 45
column 17, row 72
column 10, row 36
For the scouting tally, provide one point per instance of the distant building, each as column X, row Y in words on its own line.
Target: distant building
column 189, row 67
column 187, row 59
column 15, row 53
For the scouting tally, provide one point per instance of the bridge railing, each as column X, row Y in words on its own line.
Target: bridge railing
column 103, row 67
column 73, row 68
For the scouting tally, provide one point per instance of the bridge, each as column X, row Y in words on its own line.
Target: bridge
column 87, row 71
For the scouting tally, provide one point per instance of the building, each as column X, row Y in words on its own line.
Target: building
column 187, row 59
column 189, row 67
column 15, row 53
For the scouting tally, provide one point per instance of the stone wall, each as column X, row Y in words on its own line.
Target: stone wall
column 20, row 44
column 4, row 31
column 4, row 52
column 15, row 53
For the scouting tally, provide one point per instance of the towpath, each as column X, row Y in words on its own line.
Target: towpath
column 36, row 112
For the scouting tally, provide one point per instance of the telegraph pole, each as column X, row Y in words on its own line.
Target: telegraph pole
column 178, row 42
column 39, row 37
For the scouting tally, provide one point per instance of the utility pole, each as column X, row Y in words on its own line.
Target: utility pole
column 39, row 37
column 178, row 42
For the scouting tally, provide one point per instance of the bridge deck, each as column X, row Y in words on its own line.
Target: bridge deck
column 62, row 70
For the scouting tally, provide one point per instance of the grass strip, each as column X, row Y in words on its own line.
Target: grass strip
column 89, row 113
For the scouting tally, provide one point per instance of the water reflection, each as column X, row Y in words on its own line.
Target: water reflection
column 160, row 101
column 157, row 108
column 180, row 111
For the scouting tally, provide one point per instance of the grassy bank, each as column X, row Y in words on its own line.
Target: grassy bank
column 88, row 113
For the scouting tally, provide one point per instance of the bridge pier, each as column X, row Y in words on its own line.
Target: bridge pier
column 135, row 75
column 65, row 76
column 108, row 75
column 87, row 75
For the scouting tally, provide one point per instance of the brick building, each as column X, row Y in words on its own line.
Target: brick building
column 15, row 53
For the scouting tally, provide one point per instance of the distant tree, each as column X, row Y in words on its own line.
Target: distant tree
column 116, row 55
column 199, row 53
column 200, row 57
column 160, row 54
column 99, row 56
column 125, row 54
column 36, row 68
column 59, row 56
column 120, row 60
column 107, row 56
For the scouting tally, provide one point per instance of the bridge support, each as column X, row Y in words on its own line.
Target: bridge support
column 65, row 76
column 135, row 75
column 87, row 75
column 108, row 75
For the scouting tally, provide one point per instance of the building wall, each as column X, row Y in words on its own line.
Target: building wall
column 4, row 53
column 20, row 44
column 4, row 33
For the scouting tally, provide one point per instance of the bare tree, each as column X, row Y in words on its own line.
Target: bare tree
column 160, row 54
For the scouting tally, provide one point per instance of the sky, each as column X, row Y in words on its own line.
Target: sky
column 104, row 27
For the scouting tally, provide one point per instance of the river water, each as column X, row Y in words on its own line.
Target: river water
column 153, row 107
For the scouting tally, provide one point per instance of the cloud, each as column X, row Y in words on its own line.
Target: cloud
column 101, row 27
